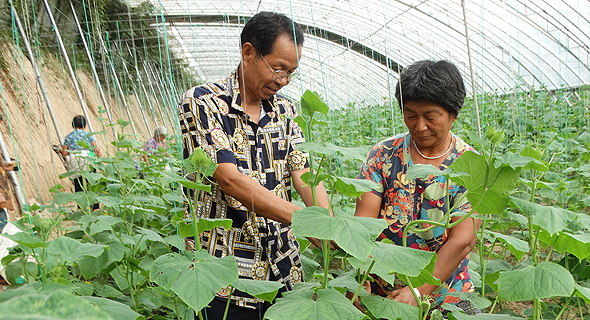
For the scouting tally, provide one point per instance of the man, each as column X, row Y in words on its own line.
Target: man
column 77, row 161
column 246, row 128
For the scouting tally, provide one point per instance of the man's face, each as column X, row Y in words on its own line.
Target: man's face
column 259, row 76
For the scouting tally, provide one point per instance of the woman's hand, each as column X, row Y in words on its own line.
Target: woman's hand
column 403, row 295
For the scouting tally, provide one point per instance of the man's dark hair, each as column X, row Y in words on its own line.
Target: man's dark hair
column 79, row 122
column 263, row 29
column 437, row 82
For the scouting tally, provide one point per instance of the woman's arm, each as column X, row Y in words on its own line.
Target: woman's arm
column 368, row 205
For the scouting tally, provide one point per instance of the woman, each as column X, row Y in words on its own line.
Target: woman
column 154, row 143
column 430, row 95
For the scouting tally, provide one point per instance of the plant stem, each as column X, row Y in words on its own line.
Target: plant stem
column 231, row 289
column 362, row 282
column 326, row 252
column 482, row 265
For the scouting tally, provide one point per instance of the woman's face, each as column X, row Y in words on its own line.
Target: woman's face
column 162, row 138
column 429, row 124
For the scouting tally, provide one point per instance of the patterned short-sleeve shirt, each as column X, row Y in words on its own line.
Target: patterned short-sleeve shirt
column 407, row 200
column 71, row 140
column 152, row 146
column 211, row 117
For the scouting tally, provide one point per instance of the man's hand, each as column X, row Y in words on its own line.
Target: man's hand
column 318, row 243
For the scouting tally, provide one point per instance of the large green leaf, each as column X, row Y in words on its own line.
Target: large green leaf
column 488, row 193
column 482, row 316
column 309, row 267
column 200, row 162
column 203, row 224
column 109, row 201
column 549, row 218
column 383, row 308
column 194, row 282
column 520, row 161
column 91, row 266
column 347, row 282
column 378, row 269
column 326, row 304
column 418, row 264
column 516, row 246
column 59, row 305
column 576, row 244
column 311, row 103
column 72, row 250
column 355, row 187
column 423, row 171
column 115, row 309
column 26, row 239
column 96, row 224
column 546, row 280
column 150, row 235
column 474, row 299
column 355, row 235
column 265, row 290
column 583, row 293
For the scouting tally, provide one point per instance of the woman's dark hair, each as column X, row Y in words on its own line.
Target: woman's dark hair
column 79, row 122
column 263, row 29
column 437, row 82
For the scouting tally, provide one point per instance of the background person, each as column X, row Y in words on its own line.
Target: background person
column 154, row 143
column 76, row 161
column 430, row 95
column 246, row 128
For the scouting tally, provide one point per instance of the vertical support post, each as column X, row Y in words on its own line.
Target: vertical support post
column 94, row 73
column 27, row 44
column 471, row 69
column 111, row 63
column 67, row 60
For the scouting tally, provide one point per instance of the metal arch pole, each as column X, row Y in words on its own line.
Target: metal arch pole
column 21, row 31
column 111, row 63
column 149, row 78
column 147, row 98
column 164, row 94
column 94, row 73
column 67, row 60
column 5, row 156
column 471, row 69
column 138, row 100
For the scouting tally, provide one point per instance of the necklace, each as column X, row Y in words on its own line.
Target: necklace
column 436, row 157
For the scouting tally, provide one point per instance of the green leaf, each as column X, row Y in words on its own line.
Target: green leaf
column 109, row 201
column 355, row 187
column 353, row 234
column 91, row 266
column 72, row 250
column 100, row 223
column 200, row 162
column 309, row 267
column 475, row 299
column 348, row 282
column 546, row 280
column 54, row 306
column 106, row 291
column 150, row 235
column 482, row 316
column 203, row 224
column 487, row 196
column 311, row 103
column 265, row 290
column 195, row 185
column 179, row 273
column 562, row 242
column 115, row 309
column 330, row 150
column 583, row 293
column 417, row 264
column 423, row 171
column 519, row 161
column 130, row 143
column 516, row 246
column 326, row 304
column 551, row 219
column 25, row 239
column 67, row 197
column 378, row 269
column 383, row 308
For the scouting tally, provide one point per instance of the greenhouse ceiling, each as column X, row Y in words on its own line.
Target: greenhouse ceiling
column 354, row 49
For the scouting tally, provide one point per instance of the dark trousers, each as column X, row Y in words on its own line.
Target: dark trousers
column 79, row 186
column 217, row 308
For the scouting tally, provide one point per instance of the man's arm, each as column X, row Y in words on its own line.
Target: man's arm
column 253, row 195
column 64, row 150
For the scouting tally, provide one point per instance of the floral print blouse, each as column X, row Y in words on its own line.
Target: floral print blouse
column 407, row 200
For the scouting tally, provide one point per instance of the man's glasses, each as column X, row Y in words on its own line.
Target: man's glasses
column 279, row 75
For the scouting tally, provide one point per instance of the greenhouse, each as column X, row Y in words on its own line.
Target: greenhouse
column 336, row 159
